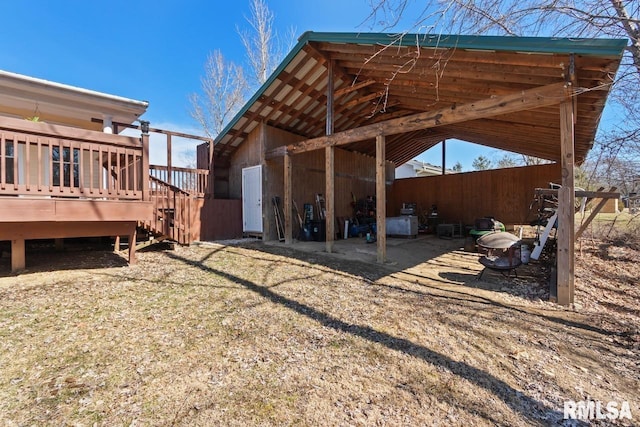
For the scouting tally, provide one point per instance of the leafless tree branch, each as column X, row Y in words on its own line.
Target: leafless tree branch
column 223, row 93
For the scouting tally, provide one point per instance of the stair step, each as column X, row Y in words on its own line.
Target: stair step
column 150, row 242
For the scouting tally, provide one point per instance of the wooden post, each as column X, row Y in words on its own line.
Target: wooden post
column 329, row 155
column 132, row 247
column 594, row 212
column 17, row 255
column 116, row 244
column 288, row 197
column 381, row 197
column 169, row 168
column 211, row 176
column 59, row 244
column 444, row 155
column 566, row 210
column 145, row 165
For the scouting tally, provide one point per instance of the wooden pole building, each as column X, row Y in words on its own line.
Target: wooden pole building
column 536, row 96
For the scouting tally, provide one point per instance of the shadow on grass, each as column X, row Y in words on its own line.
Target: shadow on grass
column 374, row 272
column 337, row 261
column 515, row 399
column 479, row 299
column 50, row 260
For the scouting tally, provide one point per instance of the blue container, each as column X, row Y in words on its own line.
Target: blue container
column 358, row 230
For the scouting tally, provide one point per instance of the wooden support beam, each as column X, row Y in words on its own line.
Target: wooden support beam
column 17, row 255
column 59, row 244
column 330, row 176
column 116, row 244
column 119, row 125
column 525, row 100
column 612, row 194
column 169, row 166
column 566, row 210
column 381, row 197
column 276, row 152
column 593, row 214
column 53, row 230
column 132, row 247
column 288, row 201
column 444, row 155
column 345, row 90
column 361, row 100
column 330, row 216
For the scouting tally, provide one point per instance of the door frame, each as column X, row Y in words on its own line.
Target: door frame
column 260, row 201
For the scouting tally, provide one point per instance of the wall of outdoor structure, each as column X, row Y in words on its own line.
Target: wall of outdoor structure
column 216, row 219
column 355, row 176
column 505, row 194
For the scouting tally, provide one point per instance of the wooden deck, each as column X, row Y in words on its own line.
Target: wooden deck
column 60, row 182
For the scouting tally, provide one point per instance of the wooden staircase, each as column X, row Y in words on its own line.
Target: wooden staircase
column 172, row 214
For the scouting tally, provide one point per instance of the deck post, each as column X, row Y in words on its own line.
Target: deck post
column 381, row 198
column 169, row 167
column 17, row 255
column 566, row 210
column 116, row 244
column 59, row 244
column 145, row 160
column 132, row 247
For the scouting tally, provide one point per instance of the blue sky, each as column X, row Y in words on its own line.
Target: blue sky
column 155, row 50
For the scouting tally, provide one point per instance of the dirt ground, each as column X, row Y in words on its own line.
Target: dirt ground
column 247, row 333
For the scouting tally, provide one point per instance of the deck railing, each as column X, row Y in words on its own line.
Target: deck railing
column 51, row 160
column 193, row 181
column 171, row 211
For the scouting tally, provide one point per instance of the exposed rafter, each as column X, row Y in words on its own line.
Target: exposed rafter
column 375, row 83
column 525, row 100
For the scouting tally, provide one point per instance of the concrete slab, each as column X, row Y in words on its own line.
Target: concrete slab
column 402, row 253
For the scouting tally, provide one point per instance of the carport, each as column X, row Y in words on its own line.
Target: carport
column 392, row 97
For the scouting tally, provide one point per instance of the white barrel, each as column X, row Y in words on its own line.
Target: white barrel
column 525, row 254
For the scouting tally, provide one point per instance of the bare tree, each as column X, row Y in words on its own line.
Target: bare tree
column 568, row 18
column 573, row 18
column 224, row 85
column 224, row 89
column 264, row 48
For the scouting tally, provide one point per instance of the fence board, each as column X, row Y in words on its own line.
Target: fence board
column 505, row 194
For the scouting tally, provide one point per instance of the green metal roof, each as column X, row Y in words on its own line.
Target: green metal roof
column 609, row 48
column 579, row 46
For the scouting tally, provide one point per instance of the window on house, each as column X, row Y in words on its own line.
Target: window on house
column 9, row 163
column 70, row 166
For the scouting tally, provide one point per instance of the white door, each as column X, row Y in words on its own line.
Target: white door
column 252, row 199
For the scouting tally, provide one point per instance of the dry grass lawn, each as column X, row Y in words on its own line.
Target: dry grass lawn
column 251, row 334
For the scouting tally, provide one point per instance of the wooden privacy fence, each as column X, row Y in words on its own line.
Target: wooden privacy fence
column 193, row 181
column 50, row 160
column 505, row 194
